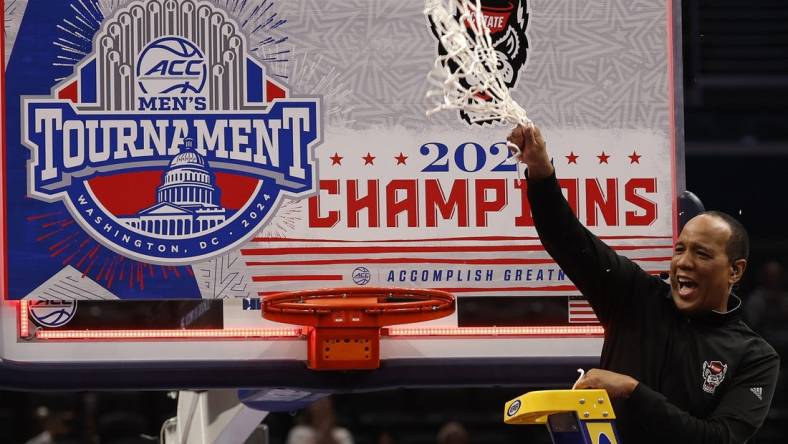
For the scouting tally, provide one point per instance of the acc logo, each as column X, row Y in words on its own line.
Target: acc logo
column 53, row 313
column 513, row 408
column 170, row 144
column 171, row 65
column 361, row 276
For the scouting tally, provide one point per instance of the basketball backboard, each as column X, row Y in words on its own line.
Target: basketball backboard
column 168, row 164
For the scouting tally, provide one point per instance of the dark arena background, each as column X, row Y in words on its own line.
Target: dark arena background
column 735, row 112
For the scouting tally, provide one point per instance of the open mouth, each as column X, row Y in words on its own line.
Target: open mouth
column 686, row 286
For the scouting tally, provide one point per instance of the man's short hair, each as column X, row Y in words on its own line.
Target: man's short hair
column 739, row 243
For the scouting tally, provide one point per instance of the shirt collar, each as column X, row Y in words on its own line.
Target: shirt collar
column 734, row 311
column 718, row 317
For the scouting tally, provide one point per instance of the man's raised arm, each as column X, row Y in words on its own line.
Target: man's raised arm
column 599, row 273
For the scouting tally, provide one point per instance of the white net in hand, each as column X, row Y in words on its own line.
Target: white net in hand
column 466, row 77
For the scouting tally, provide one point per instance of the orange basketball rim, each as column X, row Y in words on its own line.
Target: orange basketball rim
column 343, row 324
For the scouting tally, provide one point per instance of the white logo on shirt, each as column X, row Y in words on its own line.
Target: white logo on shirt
column 713, row 374
column 758, row 392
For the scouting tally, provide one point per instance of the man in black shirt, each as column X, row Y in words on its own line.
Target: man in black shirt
column 678, row 361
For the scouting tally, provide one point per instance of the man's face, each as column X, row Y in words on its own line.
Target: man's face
column 701, row 273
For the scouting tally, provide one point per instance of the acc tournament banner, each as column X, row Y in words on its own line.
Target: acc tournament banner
column 207, row 149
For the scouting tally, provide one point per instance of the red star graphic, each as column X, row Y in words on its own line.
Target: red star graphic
column 634, row 157
column 572, row 158
column 369, row 159
column 336, row 159
column 401, row 159
column 603, row 157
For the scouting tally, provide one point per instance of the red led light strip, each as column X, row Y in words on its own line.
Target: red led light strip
column 297, row 332
column 586, row 330
column 239, row 333
column 24, row 320
column 269, row 333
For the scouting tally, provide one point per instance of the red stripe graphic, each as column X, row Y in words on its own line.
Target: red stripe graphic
column 416, row 249
column 406, row 260
column 580, row 311
column 298, row 277
column 502, row 289
column 418, row 260
column 436, row 239
column 483, row 290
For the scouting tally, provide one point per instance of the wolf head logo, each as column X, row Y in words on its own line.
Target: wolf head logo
column 713, row 374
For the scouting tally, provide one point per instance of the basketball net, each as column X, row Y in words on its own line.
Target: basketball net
column 466, row 77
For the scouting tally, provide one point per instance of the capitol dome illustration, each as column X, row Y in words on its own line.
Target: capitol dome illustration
column 187, row 201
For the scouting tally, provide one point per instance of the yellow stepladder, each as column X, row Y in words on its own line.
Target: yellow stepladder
column 571, row 416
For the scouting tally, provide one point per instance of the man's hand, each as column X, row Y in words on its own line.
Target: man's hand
column 533, row 151
column 616, row 384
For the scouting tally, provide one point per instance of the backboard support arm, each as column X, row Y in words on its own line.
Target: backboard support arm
column 212, row 417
